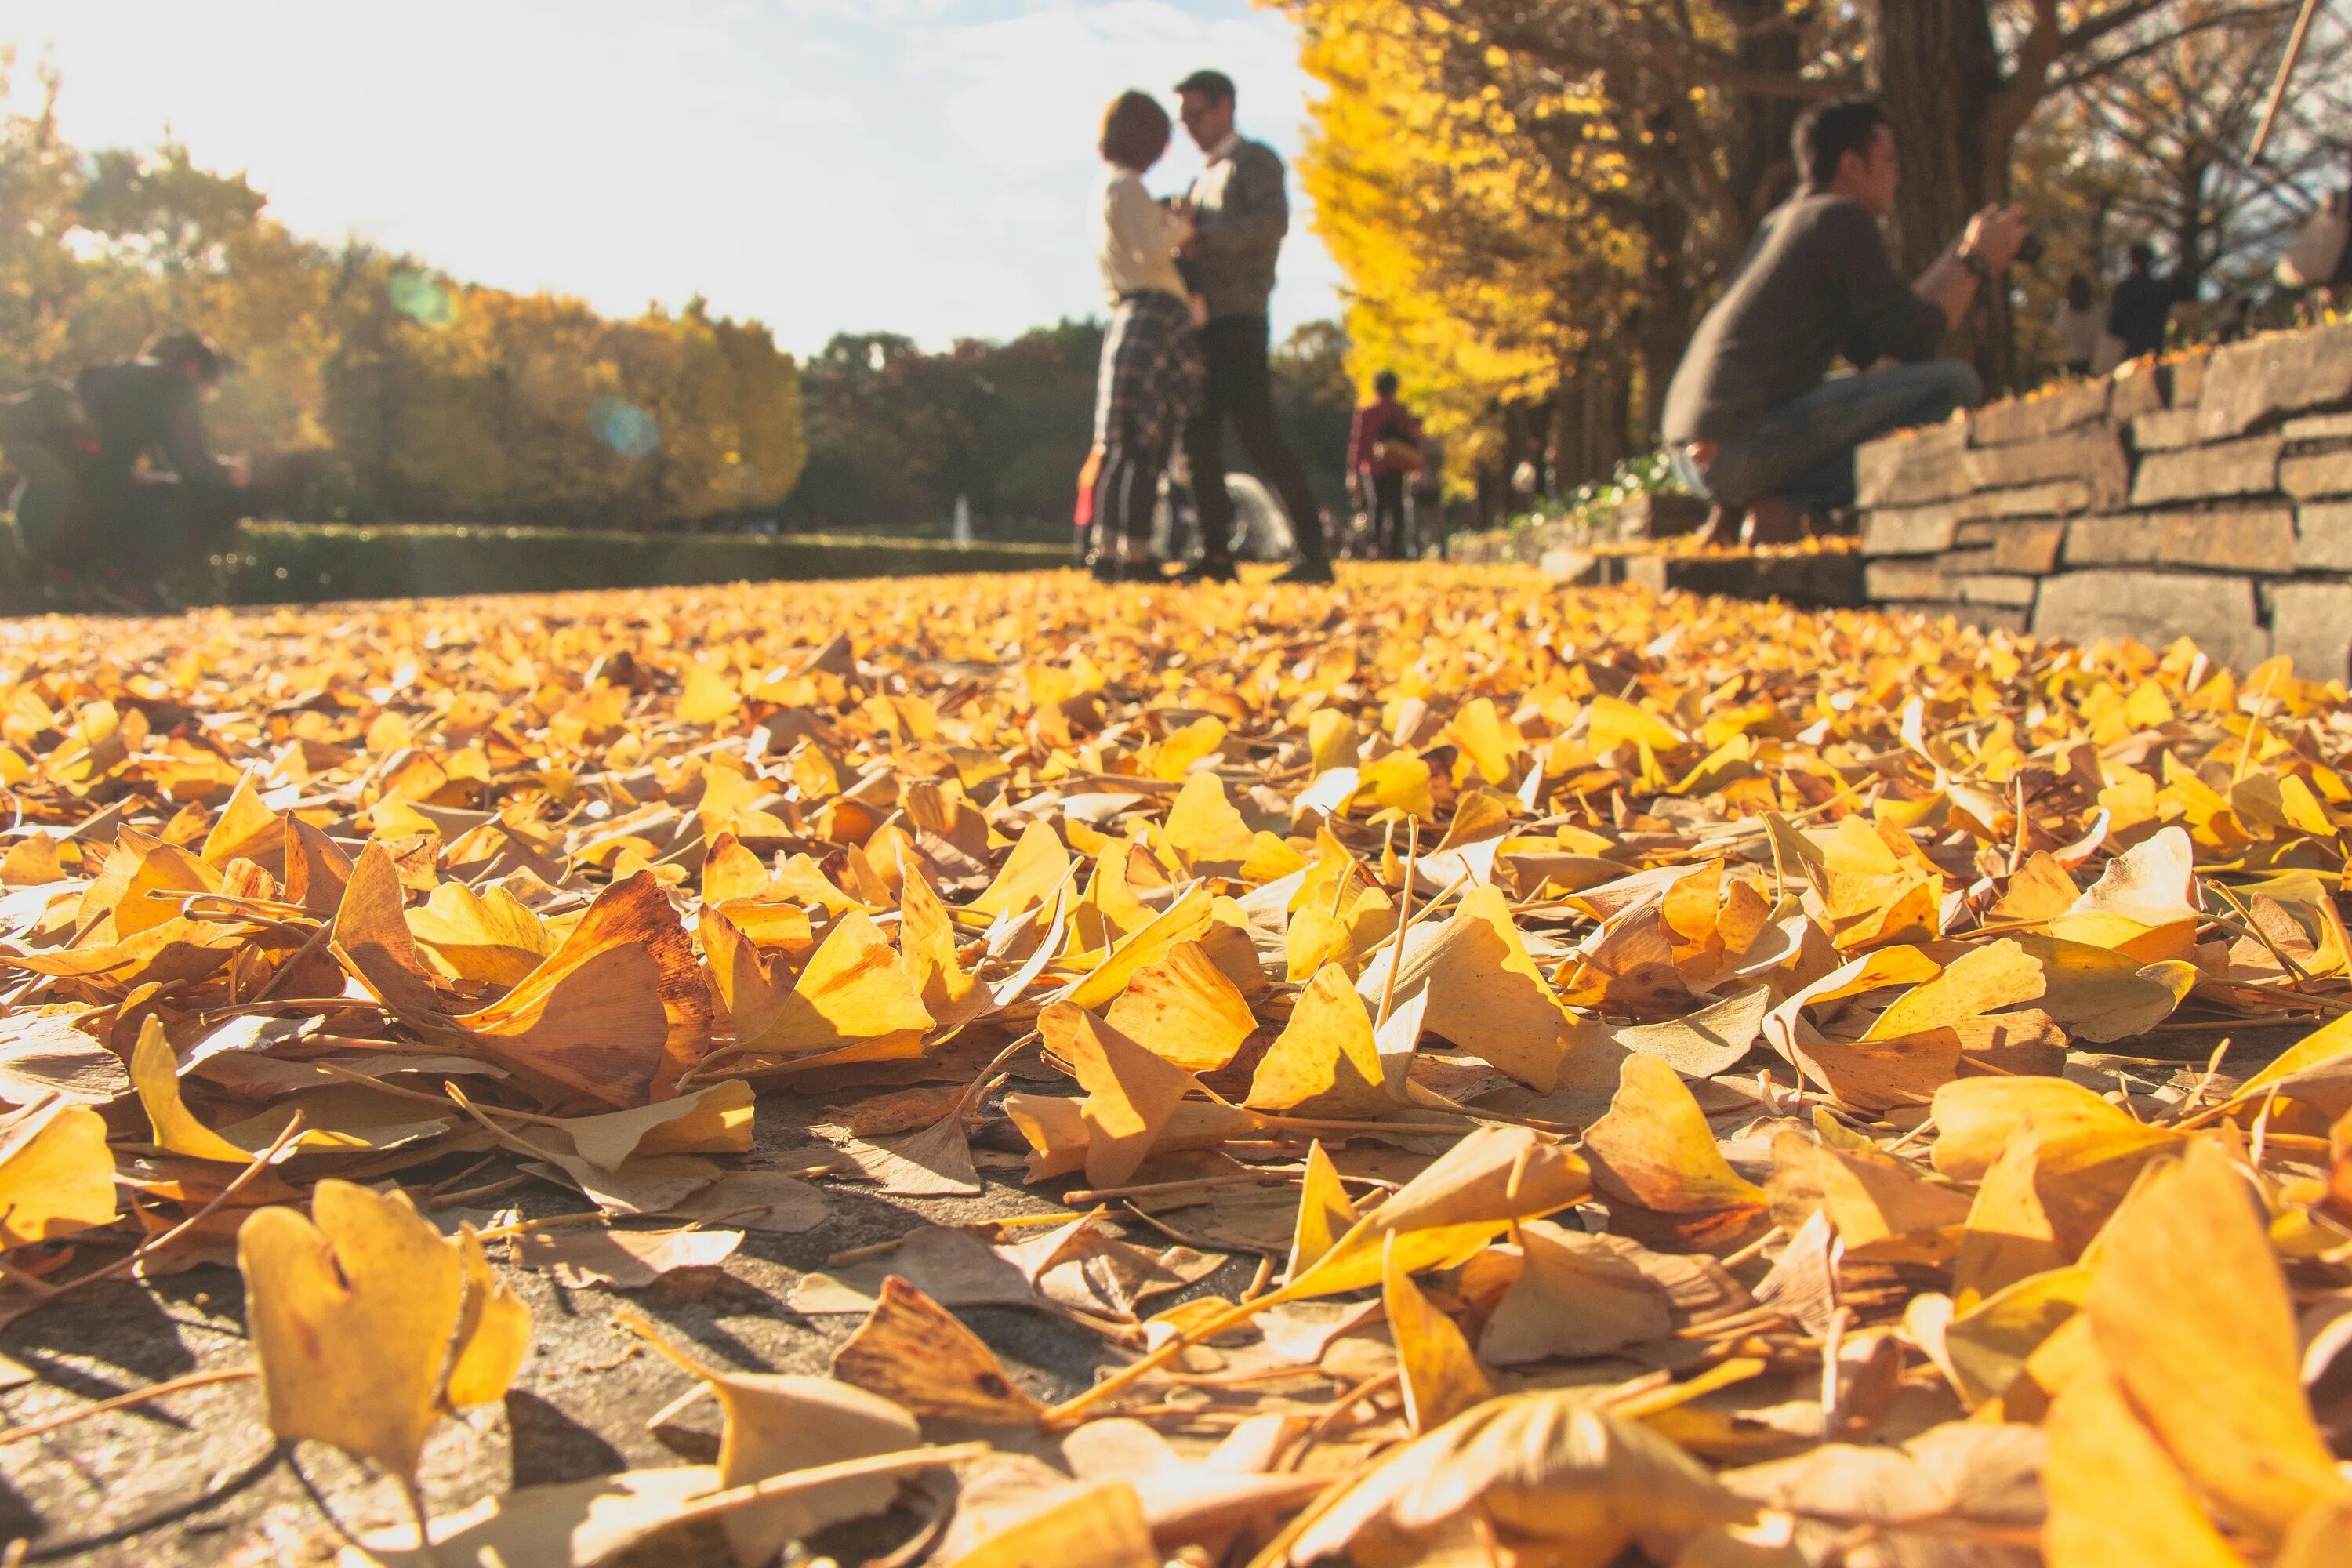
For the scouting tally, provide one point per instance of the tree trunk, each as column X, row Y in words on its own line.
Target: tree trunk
column 1938, row 74
column 1761, row 169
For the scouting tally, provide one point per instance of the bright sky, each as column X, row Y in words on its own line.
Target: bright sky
column 922, row 166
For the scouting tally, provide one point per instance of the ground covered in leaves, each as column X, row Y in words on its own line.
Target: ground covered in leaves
column 995, row 1070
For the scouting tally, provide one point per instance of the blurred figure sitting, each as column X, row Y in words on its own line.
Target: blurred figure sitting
column 1383, row 454
column 84, row 506
column 1751, row 421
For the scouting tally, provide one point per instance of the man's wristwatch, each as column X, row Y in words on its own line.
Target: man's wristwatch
column 1978, row 265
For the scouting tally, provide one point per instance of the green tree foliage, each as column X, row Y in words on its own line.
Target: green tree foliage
column 370, row 389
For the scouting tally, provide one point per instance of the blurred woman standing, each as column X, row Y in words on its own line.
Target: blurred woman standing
column 1151, row 374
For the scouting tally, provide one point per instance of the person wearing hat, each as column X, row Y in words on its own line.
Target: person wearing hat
column 1240, row 214
column 83, row 504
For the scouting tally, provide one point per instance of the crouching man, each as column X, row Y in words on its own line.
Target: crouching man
column 1751, row 421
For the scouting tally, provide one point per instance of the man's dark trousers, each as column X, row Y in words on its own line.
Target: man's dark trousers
column 1239, row 387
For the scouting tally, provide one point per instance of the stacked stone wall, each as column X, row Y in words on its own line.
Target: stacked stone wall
column 2208, row 496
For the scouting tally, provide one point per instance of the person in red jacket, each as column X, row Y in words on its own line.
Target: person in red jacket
column 1383, row 454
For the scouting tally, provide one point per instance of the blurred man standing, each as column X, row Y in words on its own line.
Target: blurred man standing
column 1383, row 454
column 1240, row 214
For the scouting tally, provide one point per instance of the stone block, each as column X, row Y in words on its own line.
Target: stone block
column 2320, row 474
column 2153, row 608
column 2124, row 540
column 2240, row 539
column 2323, row 538
column 2030, row 547
column 1660, row 516
column 2256, row 539
column 2137, row 389
column 2071, row 404
column 2261, row 383
column 2318, row 427
column 1902, row 580
column 1908, row 531
column 1911, row 467
column 2167, row 430
column 2184, row 378
column 2095, row 458
column 2248, row 468
column 1979, row 559
column 2311, row 623
column 1994, row 588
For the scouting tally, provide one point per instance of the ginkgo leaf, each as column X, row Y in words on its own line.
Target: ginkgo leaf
column 1440, row 1376
column 1574, row 1296
column 618, row 1011
column 1203, row 826
column 914, row 1351
column 2114, row 1495
column 1130, row 1093
column 356, row 1315
column 1485, row 992
column 1884, row 1212
column 1097, row 1525
column 853, row 1000
column 2192, row 1316
column 779, row 1422
column 1029, row 875
column 927, row 943
column 625, row 1260
column 569, row 1525
column 1324, row 1213
column 1656, row 1164
column 56, row 1173
column 489, row 936
column 1547, row 1466
column 374, row 1122
column 1186, row 920
column 1325, row 1062
column 1184, row 1008
column 1490, row 1179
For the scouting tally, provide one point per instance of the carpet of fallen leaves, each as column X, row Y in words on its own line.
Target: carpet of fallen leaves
column 1686, row 1082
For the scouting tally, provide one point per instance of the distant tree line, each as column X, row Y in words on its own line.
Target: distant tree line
column 896, row 435
column 370, row 387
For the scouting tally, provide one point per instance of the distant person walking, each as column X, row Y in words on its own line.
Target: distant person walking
column 1384, row 453
column 2141, row 306
column 2080, row 327
column 1240, row 214
column 1149, row 382
column 84, row 506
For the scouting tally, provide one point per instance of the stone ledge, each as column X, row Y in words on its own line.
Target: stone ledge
column 2323, row 538
column 2258, row 384
column 1923, row 531
column 2319, row 474
column 2029, row 418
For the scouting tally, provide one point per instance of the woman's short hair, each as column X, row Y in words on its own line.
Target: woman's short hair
column 1134, row 131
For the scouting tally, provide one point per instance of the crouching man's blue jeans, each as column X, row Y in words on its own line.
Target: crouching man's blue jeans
column 1803, row 451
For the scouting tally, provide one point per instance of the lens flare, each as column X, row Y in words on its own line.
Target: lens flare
column 422, row 297
column 623, row 426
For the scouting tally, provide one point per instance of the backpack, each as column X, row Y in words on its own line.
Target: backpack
column 2316, row 258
